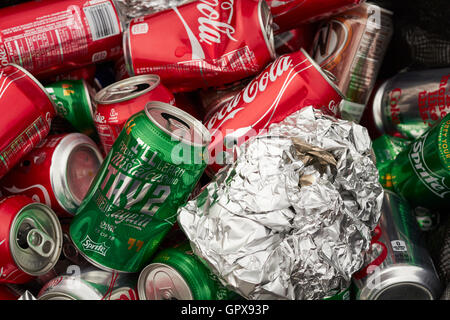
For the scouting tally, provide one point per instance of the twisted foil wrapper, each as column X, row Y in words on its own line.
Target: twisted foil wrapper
column 131, row 9
column 292, row 217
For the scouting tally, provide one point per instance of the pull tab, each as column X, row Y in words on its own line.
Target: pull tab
column 40, row 242
column 167, row 293
column 174, row 123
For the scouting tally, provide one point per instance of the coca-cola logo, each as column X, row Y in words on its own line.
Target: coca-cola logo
column 3, row 56
column 257, row 85
column 394, row 98
column 210, row 26
column 98, row 118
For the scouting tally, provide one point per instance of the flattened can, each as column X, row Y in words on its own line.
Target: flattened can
column 177, row 274
column 30, row 239
column 53, row 36
column 410, row 103
column 58, row 172
column 151, row 170
column 26, row 114
column 73, row 103
column 352, row 46
column 399, row 266
column 421, row 172
column 290, row 83
column 90, row 284
column 201, row 44
column 116, row 103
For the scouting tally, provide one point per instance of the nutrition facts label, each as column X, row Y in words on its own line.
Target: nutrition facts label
column 60, row 36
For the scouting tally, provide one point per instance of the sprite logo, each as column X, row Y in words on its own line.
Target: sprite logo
column 431, row 180
column 90, row 245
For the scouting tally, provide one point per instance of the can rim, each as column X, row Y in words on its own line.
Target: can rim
column 127, row 55
column 152, row 79
column 58, row 173
column 409, row 274
column 58, row 238
column 324, row 75
column 53, row 295
column 35, row 81
column 149, row 268
column 196, row 124
column 263, row 7
column 377, row 111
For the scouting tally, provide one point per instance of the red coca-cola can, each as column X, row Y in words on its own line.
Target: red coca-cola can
column 208, row 43
column 52, row 36
column 58, row 172
column 7, row 294
column 30, row 239
column 290, row 83
column 26, row 113
column 288, row 14
column 214, row 98
column 119, row 101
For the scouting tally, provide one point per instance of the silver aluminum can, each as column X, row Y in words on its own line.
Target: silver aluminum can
column 410, row 103
column 400, row 267
column 90, row 284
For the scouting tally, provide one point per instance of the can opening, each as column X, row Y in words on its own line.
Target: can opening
column 22, row 234
column 129, row 89
column 82, row 166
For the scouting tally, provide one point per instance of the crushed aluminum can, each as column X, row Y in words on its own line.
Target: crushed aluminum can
column 292, row 217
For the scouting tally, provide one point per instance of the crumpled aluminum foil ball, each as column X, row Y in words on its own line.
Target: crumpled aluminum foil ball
column 136, row 8
column 292, row 217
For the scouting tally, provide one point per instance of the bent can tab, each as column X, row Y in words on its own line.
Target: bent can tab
column 151, row 170
column 30, row 239
column 26, row 114
column 90, row 283
column 290, row 83
column 408, row 104
column 209, row 43
column 177, row 274
column 53, row 36
column 352, row 47
column 288, row 14
column 399, row 266
column 58, row 172
column 116, row 103
column 73, row 103
column 421, row 173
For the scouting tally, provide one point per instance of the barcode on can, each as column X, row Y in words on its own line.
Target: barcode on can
column 102, row 20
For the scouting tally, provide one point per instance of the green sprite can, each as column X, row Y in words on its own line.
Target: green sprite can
column 177, row 274
column 421, row 173
column 73, row 103
column 132, row 203
column 386, row 149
